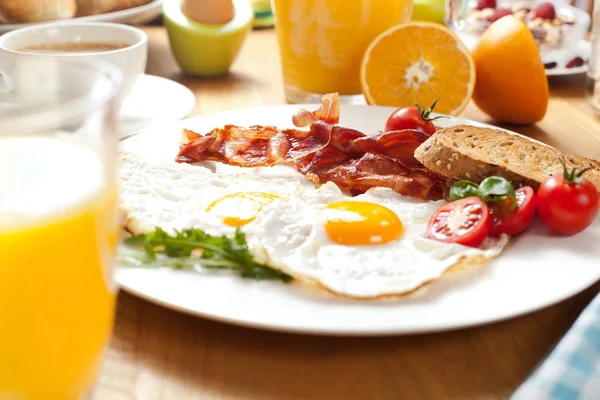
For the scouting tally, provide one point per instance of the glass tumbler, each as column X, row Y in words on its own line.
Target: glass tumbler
column 593, row 73
column 58, row 224
column 322, row 42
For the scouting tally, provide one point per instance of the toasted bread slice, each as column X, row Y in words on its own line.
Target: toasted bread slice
column 474, row 153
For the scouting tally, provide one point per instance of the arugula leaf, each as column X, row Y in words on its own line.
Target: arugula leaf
column 193, row 248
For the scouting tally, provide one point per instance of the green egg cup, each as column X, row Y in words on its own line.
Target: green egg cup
column 263, row 15
column 206, row 50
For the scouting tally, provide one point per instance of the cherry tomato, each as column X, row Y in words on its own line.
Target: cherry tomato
column 466, row 221
column 412, row 118
column 516, row 221
column 567, row 203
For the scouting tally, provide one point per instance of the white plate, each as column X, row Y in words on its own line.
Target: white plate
column 584, row 50
column 154, row 100
column 535, row 271
column 133, row 16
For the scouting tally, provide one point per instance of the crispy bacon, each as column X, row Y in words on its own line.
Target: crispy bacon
column 326, row 152
column 328, row 112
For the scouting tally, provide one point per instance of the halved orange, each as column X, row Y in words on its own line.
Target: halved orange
column 417, row 63
column 511, row 80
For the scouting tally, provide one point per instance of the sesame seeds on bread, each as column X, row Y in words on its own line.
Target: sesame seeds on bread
column 474, row 153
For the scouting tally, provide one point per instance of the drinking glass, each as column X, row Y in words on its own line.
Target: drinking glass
column 58, row 224
column 593, row 73
column 322, row 42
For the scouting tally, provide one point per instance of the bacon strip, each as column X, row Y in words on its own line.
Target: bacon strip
column 328, row 112
column 326, row 152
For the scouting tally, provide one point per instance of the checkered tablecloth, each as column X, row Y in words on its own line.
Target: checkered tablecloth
column 572, row 369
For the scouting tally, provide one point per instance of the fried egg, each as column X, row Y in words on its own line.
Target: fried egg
column 366, row 246
column 177, row 196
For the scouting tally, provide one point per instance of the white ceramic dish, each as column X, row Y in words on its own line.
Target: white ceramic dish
column 132, row 16
column 152, row 101
column 535, row 271
column 583, row 50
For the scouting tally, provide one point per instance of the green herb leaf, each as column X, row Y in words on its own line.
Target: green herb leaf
column 494, row 189
column 192, row 249
column 462, row 189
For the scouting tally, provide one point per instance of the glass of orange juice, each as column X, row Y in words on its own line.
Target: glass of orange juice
column 58, row 224
column 322, row 42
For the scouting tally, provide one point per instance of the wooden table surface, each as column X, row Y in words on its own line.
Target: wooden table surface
column 156, row 353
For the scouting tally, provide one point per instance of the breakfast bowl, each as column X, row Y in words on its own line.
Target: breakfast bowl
column 555, row 27
column 123, row 46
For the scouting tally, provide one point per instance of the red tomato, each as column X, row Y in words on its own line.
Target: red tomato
column 412, row 118
column 408, row 118
column 466, row 221
column 516, row 221
column 567, row 203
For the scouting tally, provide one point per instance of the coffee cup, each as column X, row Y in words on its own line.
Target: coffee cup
column 123, row 46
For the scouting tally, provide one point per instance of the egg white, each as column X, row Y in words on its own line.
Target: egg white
column 176, row 196
column 290, row 235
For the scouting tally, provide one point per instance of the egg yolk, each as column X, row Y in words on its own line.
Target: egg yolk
column 361, row 223
column 238, row 209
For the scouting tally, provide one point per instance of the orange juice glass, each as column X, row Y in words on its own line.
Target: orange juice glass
column 58, row 224
column 322, row 42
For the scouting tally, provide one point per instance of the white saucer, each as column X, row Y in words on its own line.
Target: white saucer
column 583, row 50
column 154, row 100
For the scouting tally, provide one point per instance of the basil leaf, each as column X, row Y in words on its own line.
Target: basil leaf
column 494, row 189
column 462, row 189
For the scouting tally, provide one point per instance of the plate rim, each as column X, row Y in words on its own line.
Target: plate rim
column 335, row 332
column 299, row 330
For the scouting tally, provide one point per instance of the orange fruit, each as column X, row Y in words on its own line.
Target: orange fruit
column 417, row 63
column 511, row 82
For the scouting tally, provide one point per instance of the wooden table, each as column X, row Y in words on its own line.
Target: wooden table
column 156, row 353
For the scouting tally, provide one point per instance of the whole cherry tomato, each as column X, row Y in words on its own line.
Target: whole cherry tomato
column 516, row 221
column 567, row 203
column 412, row 118
column 466, row 221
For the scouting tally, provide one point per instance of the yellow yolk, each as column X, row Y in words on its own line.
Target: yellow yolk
column 361, row 223
column 238, row 209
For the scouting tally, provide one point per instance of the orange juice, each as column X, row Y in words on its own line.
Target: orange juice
column 322, row 42
column 57, row 238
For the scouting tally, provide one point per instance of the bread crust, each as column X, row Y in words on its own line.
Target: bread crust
column 27, row 11
column 474, row 153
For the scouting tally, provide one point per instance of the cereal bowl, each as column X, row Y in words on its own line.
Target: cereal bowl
column 555, row 27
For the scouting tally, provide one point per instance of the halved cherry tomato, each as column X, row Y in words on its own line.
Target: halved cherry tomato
column 516, row 221
column 466, row 221
column 567, row 203
column 412, row 118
